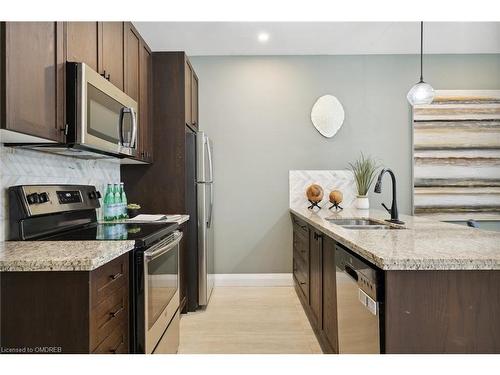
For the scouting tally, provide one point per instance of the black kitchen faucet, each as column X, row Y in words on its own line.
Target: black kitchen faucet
column 394, row 207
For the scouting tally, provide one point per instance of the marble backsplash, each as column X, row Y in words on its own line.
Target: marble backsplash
column 342, row 180
column 22, row 167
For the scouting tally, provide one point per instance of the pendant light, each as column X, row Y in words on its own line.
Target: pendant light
column 421, row 92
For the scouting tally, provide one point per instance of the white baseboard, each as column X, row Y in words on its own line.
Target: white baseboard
column 253, row 279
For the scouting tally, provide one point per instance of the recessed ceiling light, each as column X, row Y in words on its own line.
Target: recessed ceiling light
column 263, row 37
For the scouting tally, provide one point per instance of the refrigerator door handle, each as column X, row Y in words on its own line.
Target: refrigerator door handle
column 210, row 165
column 209, row 221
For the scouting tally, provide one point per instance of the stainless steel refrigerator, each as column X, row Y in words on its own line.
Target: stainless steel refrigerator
column 205, row 209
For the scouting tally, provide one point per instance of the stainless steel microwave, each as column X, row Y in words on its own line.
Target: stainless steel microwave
column 99, row 116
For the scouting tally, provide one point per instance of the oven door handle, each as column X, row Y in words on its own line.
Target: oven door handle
column 156, row 252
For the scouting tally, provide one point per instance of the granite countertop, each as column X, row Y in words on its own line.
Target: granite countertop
column 59, row 255
column 424, row 245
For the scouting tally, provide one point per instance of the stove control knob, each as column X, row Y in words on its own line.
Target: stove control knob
column 43, row 197
column 98, row 194
column 32, row 198
column 92, row 195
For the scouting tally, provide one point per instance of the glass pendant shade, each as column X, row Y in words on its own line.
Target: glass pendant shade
column 420, row 93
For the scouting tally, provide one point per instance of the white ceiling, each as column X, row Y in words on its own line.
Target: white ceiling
column 320, row 38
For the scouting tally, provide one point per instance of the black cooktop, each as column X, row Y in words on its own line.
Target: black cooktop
column 143, row 233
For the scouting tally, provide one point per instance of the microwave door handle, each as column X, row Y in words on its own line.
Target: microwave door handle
column 134, row 127
column 120, row 125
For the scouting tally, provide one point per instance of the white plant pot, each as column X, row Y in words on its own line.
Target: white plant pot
column 362, row 202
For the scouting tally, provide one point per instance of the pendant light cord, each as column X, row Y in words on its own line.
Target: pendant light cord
column 421, row 51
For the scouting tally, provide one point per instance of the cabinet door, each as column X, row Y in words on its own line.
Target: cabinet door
column 34, row 78
column 112, row 52
column 194, row 102
column 145, row 146
column 315, row 276
column 188, row 79
column 329, row 293
column 132, row 51
column 82, row 43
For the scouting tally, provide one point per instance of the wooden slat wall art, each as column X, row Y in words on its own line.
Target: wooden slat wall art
column 456, row 156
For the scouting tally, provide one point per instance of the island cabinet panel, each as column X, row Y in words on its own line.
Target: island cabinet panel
column 315, row 277
column 442, row 311
column 301, row 258
column 32, row 78
column 329, row 294
column 66, row 311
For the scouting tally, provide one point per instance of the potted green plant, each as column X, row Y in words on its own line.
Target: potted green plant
column 364, row 170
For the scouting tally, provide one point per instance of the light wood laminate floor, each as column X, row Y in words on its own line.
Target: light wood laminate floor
column 254, row 320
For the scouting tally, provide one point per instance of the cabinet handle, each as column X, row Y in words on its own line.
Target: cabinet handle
column 108, row 76
column 113, row 351
column 302, row 283
column 113, row 314
column 115, row 276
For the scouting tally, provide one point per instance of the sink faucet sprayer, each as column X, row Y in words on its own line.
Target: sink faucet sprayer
column 394, row 207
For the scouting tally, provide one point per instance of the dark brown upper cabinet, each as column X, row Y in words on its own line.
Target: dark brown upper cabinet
column 131, row 62
column 145, row 104
column 190, row 95
column 138, row 77
column 188, row 77
column 101, row 46
column 194, row 101
column 112, row 52
column 32, row 78
column 83, row 43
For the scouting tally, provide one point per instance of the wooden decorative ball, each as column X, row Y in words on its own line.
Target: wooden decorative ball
column 314, row 193
column 336, row 196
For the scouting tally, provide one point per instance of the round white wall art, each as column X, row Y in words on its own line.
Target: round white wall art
column 327, row 115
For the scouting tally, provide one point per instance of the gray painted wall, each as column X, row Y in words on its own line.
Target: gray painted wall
column 257, row 111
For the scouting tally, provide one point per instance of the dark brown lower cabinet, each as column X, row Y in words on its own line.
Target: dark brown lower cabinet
column 329, row 294
column 442, row 311
column 314, row 277
column 66, row 311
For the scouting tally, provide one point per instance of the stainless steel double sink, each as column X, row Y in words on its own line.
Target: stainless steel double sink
column 362, row 224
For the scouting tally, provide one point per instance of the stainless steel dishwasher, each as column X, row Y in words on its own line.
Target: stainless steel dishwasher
column 359, row 295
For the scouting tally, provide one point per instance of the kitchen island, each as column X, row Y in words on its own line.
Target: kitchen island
column 440, row 288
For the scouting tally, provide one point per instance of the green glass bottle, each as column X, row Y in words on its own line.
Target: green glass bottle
column 123, row 200
column 109, row 199
column 117, row 202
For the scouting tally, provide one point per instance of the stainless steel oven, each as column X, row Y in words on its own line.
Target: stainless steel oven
column 100, row 117
column 161, row 295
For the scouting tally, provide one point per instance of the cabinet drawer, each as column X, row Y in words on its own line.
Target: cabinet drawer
column 301, row 278
column 108, row 316
column 301, row 247
column 300, row 226
column 109, row 278
column 115, row 343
